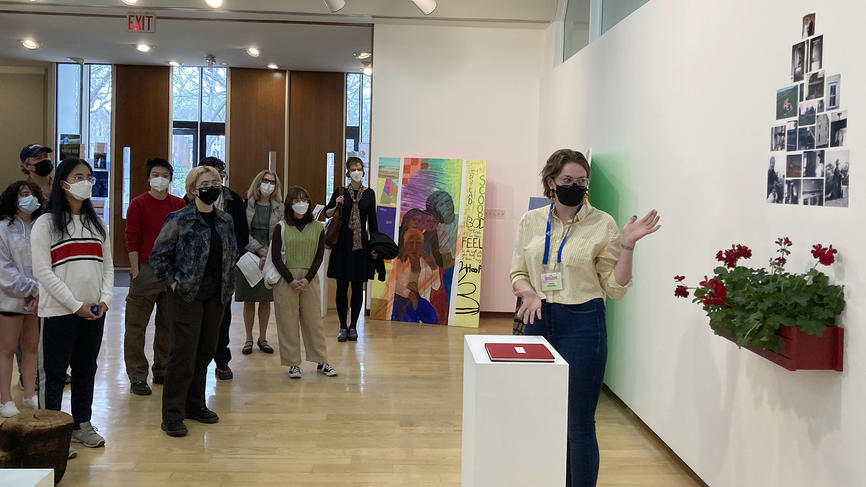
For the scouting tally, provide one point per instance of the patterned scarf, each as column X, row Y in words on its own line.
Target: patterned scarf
column 355, row 218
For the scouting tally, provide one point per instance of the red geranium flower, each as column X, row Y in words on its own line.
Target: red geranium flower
column 731, row 255
column 679, row 278
column 824, row 255
column 780, row 261
column 716, row 292
column 681, row 292
column 783, row 241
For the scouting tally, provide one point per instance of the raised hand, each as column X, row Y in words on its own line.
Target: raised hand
column 635, row 229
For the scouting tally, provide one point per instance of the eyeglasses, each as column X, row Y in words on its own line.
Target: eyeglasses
column 78, row 178
column 568, row 181
column 208, row 184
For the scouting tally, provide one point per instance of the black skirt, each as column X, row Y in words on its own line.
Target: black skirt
column 346, row 264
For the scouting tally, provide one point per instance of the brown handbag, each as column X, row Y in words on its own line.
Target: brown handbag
column 333, row 225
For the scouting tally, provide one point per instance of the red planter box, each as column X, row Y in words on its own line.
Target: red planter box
column 802, row 351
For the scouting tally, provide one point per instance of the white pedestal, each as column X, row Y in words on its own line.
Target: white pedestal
column 23, row 477
column 514, row 417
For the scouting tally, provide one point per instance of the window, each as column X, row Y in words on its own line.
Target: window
column 198, row 119
column 587, row 20
column 358, row 90
column 86, row 133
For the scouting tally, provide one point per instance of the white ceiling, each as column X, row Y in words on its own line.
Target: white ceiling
column 295, row 34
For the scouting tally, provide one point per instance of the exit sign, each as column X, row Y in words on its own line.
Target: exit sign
column 141, row 23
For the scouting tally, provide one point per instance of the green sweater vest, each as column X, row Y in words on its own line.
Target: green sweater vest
column 301, row 247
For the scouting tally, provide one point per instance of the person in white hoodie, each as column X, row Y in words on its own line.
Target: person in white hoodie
column 72, row 263
column 19, row 292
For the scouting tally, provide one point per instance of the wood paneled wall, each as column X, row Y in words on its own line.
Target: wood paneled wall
column 315, row 129
column 256, row 125
column 142, row 123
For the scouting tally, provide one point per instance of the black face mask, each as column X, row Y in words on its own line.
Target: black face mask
column 570, row 195
column 43, row 168
column 209, row 195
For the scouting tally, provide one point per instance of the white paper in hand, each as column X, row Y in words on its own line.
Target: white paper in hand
column 317, row 211
column 249, row 266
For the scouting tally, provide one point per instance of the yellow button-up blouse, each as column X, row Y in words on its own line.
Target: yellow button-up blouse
column 588, row 257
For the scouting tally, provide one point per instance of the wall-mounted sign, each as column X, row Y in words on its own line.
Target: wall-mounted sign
column 141, row 23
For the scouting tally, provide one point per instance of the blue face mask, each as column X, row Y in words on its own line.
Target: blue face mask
column 28, row 204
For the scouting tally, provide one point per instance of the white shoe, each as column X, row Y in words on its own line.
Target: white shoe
column 326, row 369
column 30, row 402
column 8, row 409
column 295, row 372
column 88, row 436
column 72, row 452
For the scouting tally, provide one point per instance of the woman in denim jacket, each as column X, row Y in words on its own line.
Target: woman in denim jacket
column 194, row 255
column 19, row 292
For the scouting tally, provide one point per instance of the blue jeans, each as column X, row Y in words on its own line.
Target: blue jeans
column 578, row 333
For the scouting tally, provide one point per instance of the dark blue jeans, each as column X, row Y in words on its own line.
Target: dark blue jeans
column 578, row 333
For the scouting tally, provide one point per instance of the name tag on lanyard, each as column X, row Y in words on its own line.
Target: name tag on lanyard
column 552, row 281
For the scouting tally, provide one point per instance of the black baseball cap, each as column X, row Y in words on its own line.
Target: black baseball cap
column 33, row 149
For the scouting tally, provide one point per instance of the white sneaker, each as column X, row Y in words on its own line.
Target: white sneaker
column 8, row 409
column 88, row 436
column 326, row 369
column 30, row 402
column 72, row 452
column 295, row 372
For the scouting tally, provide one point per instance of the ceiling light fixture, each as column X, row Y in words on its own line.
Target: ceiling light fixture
column 253, row 51
column 362, row 54
column 129, row 2
column 174, row 64
column 367, row 68
column 335, row 5
column 425, row 6
column 30, row 44
column 143, row 48
column 272, row 66
column 214, row 3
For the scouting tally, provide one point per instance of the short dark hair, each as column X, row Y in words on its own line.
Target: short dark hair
column 293, row 193
column 9, row 200
column 214, row 162
column 159, row 162
column 353, row 161
column 554, row 166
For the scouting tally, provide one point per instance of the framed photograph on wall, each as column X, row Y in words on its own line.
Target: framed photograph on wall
column 833, row 86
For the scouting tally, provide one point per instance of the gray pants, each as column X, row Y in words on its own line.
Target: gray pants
column 145, row 291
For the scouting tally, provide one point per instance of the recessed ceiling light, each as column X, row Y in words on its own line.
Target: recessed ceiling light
column 253, row 51
column 362, row 54
column 174, row 63
column 129, row 2
column 214, row 3
column 30, row 44
column 143, row 48
column 272, row 66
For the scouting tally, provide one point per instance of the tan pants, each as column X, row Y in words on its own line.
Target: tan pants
column 300, row 310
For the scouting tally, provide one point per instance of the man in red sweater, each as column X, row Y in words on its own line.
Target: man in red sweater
column 144, row 219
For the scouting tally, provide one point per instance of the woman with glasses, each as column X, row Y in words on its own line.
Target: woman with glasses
column 194, row 255
column 19, row 292
column 72, row 263
column 567, row 258
column 264, row 211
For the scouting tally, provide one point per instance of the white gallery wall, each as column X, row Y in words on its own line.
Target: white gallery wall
column 22, row 115
column 677, row 101
column 469, row 93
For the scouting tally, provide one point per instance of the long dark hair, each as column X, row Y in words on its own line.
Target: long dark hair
column 61, row 212
column 9, row 200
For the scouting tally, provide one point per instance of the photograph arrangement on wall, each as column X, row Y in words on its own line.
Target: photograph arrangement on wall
column 436, row 207
column 809, row 159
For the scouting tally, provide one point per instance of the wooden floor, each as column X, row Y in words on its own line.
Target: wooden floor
column 391, row 418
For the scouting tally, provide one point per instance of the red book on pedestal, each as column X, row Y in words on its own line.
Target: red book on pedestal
column 518, row 352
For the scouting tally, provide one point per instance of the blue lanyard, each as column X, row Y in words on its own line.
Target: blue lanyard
column 564, row 238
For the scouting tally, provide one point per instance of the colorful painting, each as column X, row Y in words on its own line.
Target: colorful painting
column 436, row 277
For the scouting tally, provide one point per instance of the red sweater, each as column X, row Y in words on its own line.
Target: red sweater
column 144, row 219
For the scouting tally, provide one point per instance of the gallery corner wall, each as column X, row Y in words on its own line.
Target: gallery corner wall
column 676, row 102
column 467, row 93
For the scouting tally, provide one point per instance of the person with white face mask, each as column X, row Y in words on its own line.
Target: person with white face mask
column 72, row 263
column 298, row 248
column 144, row 219
column 264, row 210
column 351, row 260
column 19, row 292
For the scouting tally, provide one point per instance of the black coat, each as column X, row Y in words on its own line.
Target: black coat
column 387, row 250
column 346, row 264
